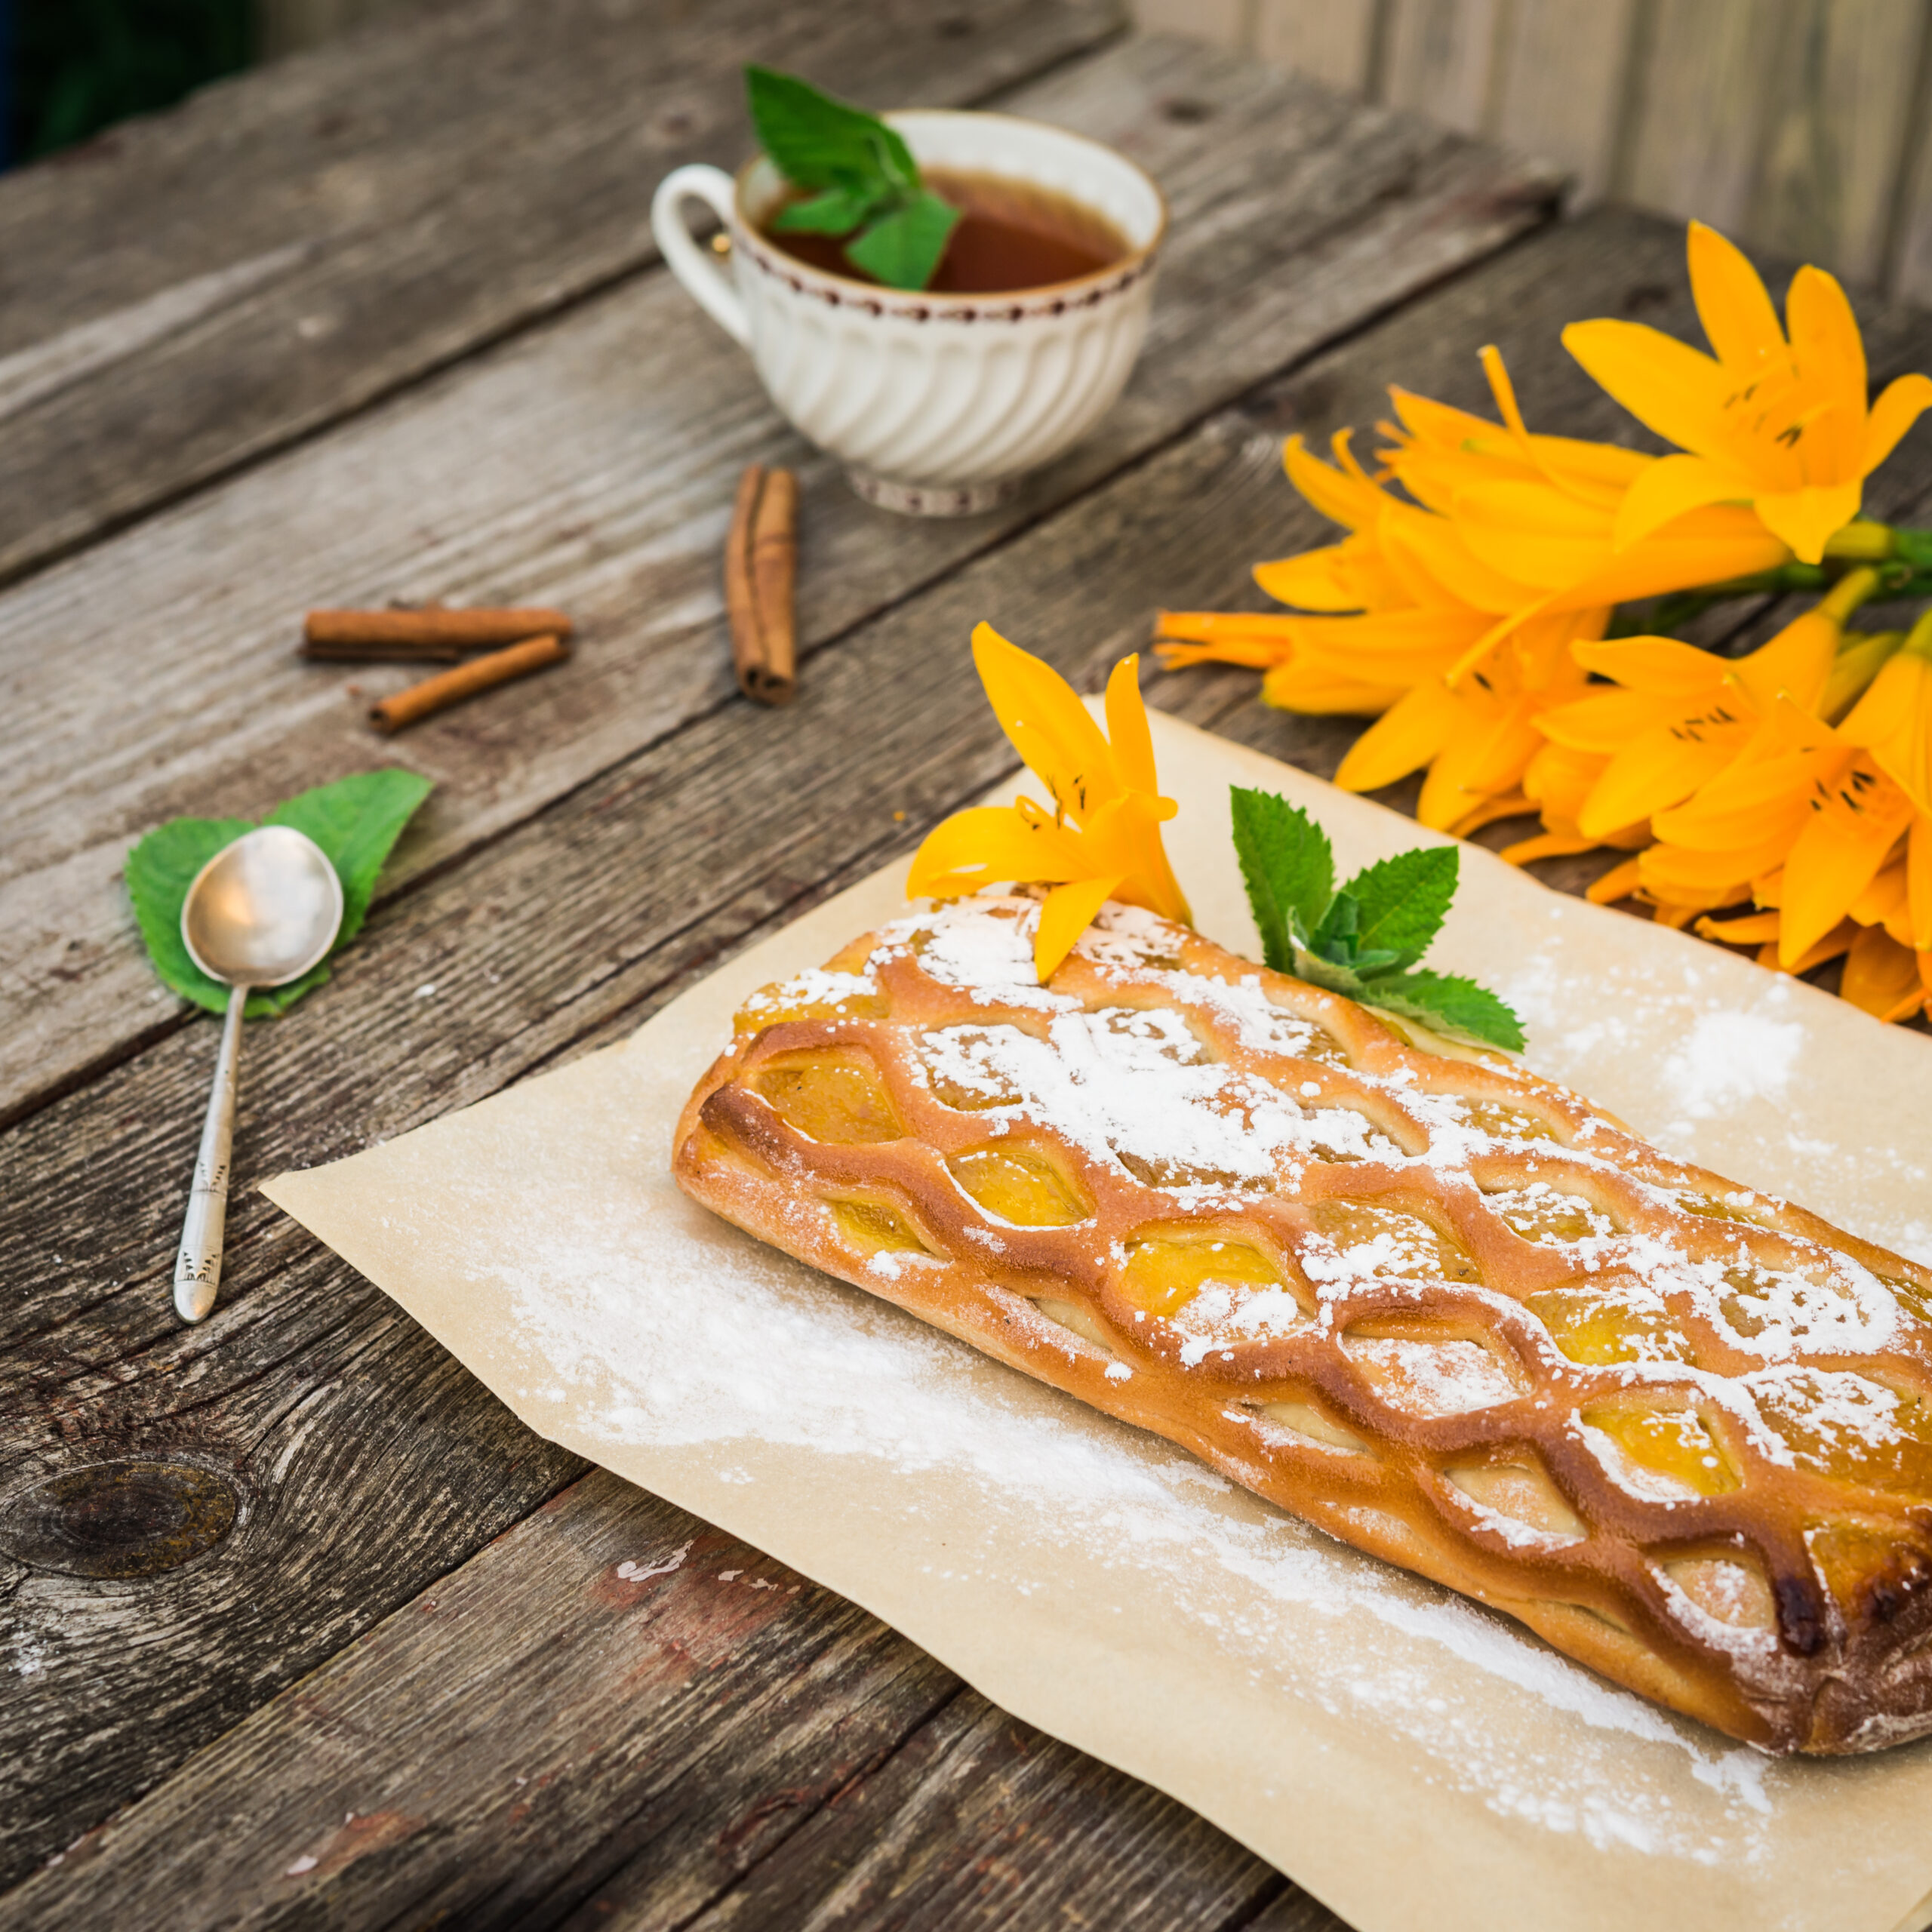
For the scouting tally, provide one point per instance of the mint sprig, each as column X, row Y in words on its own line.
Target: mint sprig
column 355, row 821
column 1362, row 939
column 862, row 178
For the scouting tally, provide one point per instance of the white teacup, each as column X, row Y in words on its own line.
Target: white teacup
column 937, row 405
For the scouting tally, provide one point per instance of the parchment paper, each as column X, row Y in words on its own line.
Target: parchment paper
column 1411, row 1759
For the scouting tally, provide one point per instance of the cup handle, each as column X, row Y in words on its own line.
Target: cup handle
column 705, row 282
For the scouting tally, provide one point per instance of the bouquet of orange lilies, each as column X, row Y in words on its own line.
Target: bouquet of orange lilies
column 1781, row 801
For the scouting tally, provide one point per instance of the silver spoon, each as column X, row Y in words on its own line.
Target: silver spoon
column 261, row 912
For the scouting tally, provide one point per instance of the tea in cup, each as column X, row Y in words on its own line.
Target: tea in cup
column 939, row 400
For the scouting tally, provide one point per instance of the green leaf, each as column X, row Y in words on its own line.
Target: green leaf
column 837, row 211
column 355, row 822
column 1403, row 901
column 1452, row 1005
column 159, row 870
column 903, row 249
column 816, row 142
column 1288, row 868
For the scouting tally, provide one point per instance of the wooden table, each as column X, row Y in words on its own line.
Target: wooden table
column 303, row 1626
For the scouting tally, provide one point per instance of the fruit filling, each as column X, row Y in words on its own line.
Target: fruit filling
column 1358, row 1240
column 1590, row 1323
column 875, row 1229
column 831, row 1094
column 1164, row 1272
column 1539, row 1212
column 1019, row 1186
column 1665, row 1455
column 1504, row 1122
column 823, row 995
column 1848, row 1427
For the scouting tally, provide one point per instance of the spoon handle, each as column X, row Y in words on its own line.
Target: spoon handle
column 197, row 1267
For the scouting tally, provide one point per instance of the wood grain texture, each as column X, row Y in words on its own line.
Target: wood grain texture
column 1563, row 68
column 1442, row 59
column 1217, row 22
column 1705, row 91
column 616, row 1714
column 360, row 1465
column 423, row 189
column 590, row 465
column 1332, row 41
column 1846, row 96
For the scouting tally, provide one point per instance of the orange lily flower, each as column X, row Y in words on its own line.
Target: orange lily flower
column 1541, row 511
column 1778, row 421
column 1681, row 715
column 1101, row 841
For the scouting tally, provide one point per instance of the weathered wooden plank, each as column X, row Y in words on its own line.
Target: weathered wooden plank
column 591, row 465
column 1216, row 23
column 613, row 1688
column 286, row 26
column 1564, row 74
column 1908, row 267
column 616, row 1715
column 1442, row 58
column 440, row 181
column 982, row 1821
column 1331, row 40
column 1704, row 94
column 1845, row 93
column 563, row 933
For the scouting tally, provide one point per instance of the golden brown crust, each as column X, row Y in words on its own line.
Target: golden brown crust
column 1446, row 1310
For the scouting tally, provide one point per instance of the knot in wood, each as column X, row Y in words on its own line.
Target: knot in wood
column 123, row 1519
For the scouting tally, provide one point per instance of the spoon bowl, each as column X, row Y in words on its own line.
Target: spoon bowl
column 264, row 910
column 261, row 912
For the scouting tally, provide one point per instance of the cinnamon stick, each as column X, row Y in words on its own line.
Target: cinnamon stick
column 760, row 568
column 449, row 687
column 436, row 632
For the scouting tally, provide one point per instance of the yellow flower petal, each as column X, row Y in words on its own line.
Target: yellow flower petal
column 1659, row 666
column 1411, row 733
column 1672, row 486
column 1881, row 977
column 1894, row 719
column 990, row 845
column 1049, row 727
column 1854, row 826
column 1918, row 883
column 1732, row 303
column 1128, row 738
column 1603, row 723
column 1317, row 692
column 1804, row 518
column 1668, row 386
column 1342, row 496
column 1317, row 580
column 1825, row 342
column 1660, row 768
column 1906, row 399
column 1064, row 914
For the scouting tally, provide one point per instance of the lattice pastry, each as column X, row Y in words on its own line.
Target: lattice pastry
column 1447, row 1311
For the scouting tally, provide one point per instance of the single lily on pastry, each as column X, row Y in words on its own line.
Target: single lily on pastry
column 1776, row 420
column 1102, row 839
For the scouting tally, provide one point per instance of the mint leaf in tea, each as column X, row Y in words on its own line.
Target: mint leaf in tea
column 860, row 206
column 1009, row 235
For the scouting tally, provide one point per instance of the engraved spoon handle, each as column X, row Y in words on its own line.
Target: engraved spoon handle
column 197, row 1267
